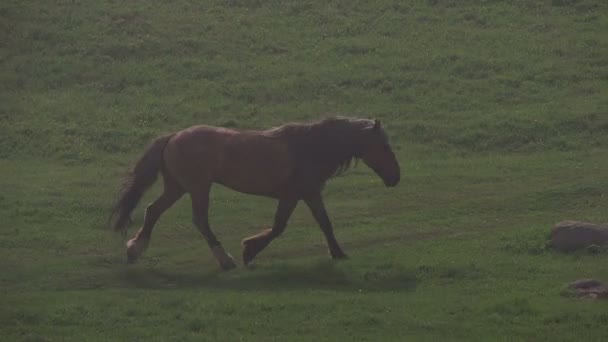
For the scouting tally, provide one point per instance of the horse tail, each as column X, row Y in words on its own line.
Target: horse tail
column 138, row 180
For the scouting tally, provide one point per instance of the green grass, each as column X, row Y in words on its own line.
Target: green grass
column 497, row 111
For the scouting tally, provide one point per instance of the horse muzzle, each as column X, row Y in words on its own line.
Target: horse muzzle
column 392, row 181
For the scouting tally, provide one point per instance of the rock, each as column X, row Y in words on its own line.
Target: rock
column 569, row 236
column 584, row 284
column 593, row 249
column 587, row 289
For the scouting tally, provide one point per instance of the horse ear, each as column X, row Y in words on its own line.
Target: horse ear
column 377, row 124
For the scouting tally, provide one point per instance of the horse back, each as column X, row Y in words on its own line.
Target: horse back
column 248, row 162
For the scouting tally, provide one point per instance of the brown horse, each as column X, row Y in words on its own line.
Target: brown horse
column 289, row 163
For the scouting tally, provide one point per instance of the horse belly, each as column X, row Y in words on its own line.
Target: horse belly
column 258, row 170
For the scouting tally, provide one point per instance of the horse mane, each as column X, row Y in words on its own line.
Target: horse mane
column 334, row 142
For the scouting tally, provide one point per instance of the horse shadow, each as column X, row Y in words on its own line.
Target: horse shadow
column 326, row 275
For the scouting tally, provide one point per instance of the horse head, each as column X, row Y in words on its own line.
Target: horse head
column 377, row 154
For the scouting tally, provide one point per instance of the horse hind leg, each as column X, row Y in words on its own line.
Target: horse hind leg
column 138, row 244
column 200, row 218
column 255, row 244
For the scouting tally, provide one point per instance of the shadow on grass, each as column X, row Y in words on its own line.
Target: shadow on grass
column 322, row 275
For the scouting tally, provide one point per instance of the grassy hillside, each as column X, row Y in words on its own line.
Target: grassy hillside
column 497, row 111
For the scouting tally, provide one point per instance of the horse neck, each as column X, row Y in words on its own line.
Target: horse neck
column 331, row 150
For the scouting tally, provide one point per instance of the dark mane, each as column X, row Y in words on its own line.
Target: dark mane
column 334, row 142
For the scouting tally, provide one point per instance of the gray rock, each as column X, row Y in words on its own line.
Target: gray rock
column 584, row 284
column 569, row 236
column 587, row 289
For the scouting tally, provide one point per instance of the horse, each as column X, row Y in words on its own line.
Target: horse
column 288, row 163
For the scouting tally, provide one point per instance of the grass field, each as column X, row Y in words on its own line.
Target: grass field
column 497, row 110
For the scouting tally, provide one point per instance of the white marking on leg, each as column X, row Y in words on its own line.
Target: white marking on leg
column 225, row 260
column 137, row 246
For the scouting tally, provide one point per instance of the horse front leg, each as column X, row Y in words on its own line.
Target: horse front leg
column 317, row 207
column 255, row 244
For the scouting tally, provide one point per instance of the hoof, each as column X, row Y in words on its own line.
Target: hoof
column 249, row 252
column 255, row 244
column 134, row 249
column 228, row 264
column 131, row 258
column 224, row 259
column 339, row 256
column 132, row 255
